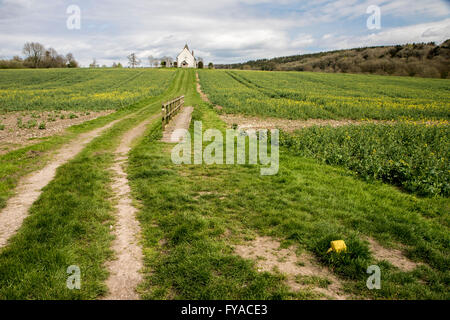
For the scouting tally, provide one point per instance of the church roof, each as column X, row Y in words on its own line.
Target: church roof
column 186, row 47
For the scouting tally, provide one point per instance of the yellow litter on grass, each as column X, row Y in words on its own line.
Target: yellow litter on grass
column 337, row 246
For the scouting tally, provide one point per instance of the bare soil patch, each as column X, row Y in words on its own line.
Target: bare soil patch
column 256, row 123
column 125, row 273
column 269, row 257
column 29, row 188
column 394, row 256
column 22, row 128
column 199, row 90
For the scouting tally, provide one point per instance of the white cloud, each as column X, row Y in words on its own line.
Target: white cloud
column 219, row 31
column 425, row 32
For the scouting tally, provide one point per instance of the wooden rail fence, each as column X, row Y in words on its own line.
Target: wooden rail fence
column 169, row 109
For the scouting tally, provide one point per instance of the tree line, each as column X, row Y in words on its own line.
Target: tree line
column 154, row 62
column 37, row 56
column 163, row 62
column 416, row 59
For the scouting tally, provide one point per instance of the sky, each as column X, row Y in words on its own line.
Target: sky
column 219, row 31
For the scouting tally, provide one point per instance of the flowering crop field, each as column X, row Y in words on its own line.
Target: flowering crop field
column 222, row 231
column 303, row 95
column 412, row 152
column 414, row 157
column 79, row 89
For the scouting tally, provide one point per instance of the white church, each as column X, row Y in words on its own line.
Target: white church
column 186, row 58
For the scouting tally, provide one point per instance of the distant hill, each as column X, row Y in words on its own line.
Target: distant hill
column 417, row 59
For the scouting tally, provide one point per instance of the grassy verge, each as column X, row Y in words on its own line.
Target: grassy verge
column 192, row 215
column 70, row 223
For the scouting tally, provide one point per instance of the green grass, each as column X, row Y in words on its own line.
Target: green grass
column 70, row 222
column 184, row 258
column 413, row 157
column 79, row 89
column 16, row 164
column 68, row 225
column 315, row 281
column 193, row 214
column 303, row 95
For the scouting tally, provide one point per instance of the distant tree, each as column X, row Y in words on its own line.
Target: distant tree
column 175, row 64
column 34, row 53
column 168, row 61
column 114, row 65
column 133, row 61
column 163, row 64
column 17, row 59
column 210, row 65
column 71, row 62
column 119, row 65
column 200, row 62
column 270, row 66
column 46, row 61
column 93, row 64
column 60, row 61
column 15, row 63
column 52, row 59
column 37, row 56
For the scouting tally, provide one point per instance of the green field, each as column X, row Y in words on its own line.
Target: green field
column 193, row 215
column 79, row 200
column 303, row 95
column 413, row 155
column 384, row 182
column 34, row 91
column 79, row 89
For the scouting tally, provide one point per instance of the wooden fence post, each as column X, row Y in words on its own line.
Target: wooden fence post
column 169, row 109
